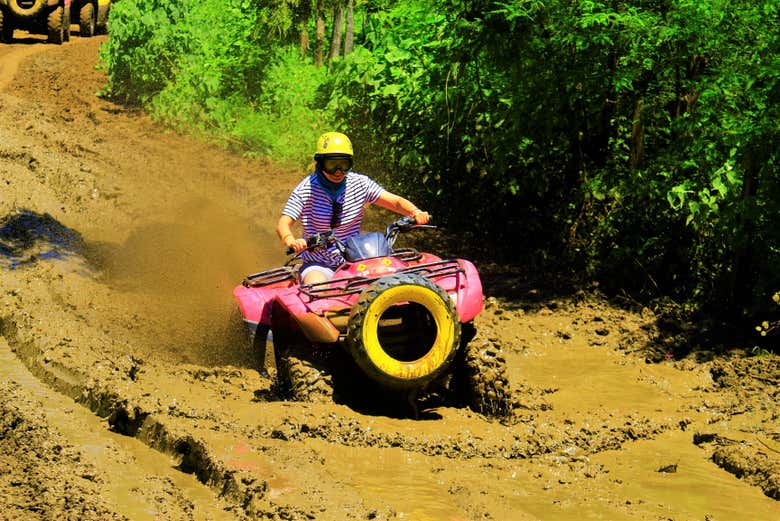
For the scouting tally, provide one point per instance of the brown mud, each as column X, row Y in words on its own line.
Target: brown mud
column 124, row 396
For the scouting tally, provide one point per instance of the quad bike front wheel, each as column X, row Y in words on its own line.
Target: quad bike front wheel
column 481, row 376
column 403, row 331
column 302, row 371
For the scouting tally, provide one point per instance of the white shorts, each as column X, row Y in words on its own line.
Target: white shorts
column 317, row 268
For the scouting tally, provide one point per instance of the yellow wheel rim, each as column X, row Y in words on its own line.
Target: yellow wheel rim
column 439, row 350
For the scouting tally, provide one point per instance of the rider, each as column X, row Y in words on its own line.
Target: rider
column 334, row 198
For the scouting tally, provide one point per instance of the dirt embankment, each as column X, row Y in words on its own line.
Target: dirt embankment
column 120, row 243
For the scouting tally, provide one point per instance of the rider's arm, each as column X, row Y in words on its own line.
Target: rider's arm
column 284, row 230
column 396, row 203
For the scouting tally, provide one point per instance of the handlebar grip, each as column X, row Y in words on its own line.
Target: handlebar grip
column 289, row 251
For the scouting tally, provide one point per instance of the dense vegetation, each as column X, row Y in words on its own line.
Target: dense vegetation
column 634, row 141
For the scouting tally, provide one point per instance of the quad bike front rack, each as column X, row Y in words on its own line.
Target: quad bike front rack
column 350, row 285
column 264, row 278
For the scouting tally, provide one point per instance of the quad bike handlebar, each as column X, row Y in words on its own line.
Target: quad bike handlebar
column 328, row 239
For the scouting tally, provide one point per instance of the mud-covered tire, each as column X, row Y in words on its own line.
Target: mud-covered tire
column 28, row 12
column 483, row 381
column 67, row 23
column 422, row 340
column 102, row 22
column 304, row 378
column 88, row 20
column 302, row 371
column 6, row 28
column 56, row 25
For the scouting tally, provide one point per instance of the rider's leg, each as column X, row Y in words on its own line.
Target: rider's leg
column 312, row 277
column 314, row 273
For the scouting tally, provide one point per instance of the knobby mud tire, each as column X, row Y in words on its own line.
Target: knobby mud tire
column 66, row 23
column 304, row 378
column 57, row 26
column 88, row 20
column 102, row 22
column 302, row 370
column 26, row 12
column 6, row 27
column 378, row 358
column 483, row 378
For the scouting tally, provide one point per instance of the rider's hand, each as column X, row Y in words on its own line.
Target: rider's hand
column 297, row 245
column 421, row 217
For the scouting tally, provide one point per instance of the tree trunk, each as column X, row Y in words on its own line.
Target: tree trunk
column 304, row 40
column 320, row 36
column 349, row 34
column 335, row 40
column 742, row 276
column 304, row 15
column 637, row 136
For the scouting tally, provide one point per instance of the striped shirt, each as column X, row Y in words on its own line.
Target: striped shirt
column 315, row 207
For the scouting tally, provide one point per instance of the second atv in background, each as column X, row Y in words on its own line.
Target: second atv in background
column 49, row 17
column 91, row 15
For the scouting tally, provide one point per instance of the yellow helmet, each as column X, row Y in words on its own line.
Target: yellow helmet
column 333, row 144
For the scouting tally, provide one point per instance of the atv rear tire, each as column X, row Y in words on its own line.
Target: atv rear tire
column 403, row 331
column 28, row 12
column 6, row 28
column 88, row 20
column 58, row 25
column 482, row 376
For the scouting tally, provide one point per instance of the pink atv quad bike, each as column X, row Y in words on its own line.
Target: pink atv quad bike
column 404, row 316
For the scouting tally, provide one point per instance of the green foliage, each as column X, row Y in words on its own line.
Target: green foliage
column 768, row 327
column 444, row 113
column 285, row 119
column 219, row 69
column 630, row 138
column 145, row 45
column 634, row 141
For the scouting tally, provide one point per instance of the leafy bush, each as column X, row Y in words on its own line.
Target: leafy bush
column 635, row 142
column 146, row 44
column 201, row 67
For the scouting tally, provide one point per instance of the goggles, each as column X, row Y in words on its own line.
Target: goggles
column 331, row 165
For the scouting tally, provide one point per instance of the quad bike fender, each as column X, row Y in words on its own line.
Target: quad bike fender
column 255, row 305
column 375, row 267
column 317, row 329
column 314, row 326
column 464, row 289
column 469, row 293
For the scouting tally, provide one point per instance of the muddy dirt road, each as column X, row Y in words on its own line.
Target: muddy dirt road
column 122, row 395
